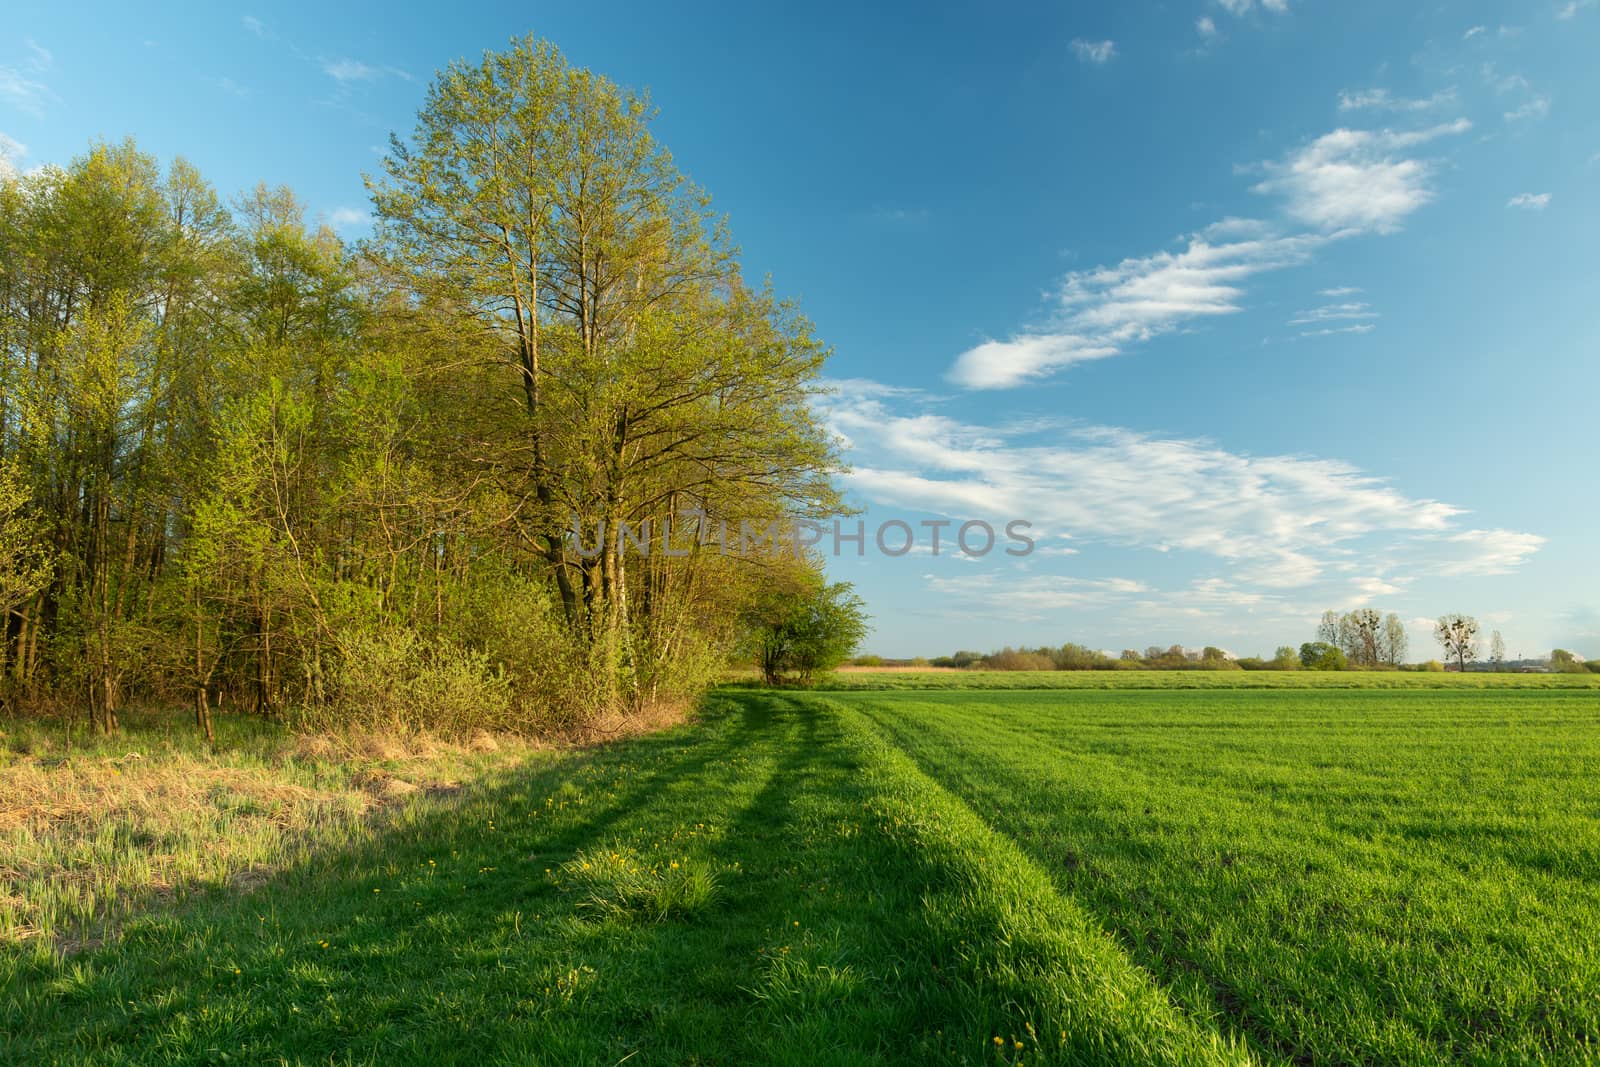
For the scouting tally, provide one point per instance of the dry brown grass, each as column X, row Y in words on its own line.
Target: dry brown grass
column 93, row 829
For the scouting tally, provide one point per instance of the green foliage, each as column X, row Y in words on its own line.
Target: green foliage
column 1564, row 662
column 334, row 485
column 1321, row 656
column 804, row 631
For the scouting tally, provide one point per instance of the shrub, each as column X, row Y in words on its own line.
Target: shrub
column 1321, row 656
column 393, row 677
column 1011, row 659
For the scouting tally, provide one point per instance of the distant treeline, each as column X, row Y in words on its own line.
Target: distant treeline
column 1359, row 640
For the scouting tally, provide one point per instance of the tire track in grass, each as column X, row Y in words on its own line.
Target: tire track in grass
column 1390, row 909
column 1032, row 962
column 770, row 884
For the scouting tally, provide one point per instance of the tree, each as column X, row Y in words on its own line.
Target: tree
column 806, row 630
column 1458, row 635
column 25, row 563
column 1396, row 644
column 1364, row 635
column 629, row 369
column 1286, row 659
column 1565, row 662
column 1322, row 656
column 1497, row 651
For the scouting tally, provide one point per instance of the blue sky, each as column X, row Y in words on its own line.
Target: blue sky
column 1252, row 307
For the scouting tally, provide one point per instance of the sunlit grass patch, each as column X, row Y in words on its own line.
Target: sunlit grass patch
column 623, row 884
column 95, row 829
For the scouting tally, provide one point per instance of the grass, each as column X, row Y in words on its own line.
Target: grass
column 94, row 829
column 1339, row 877
column 984, row 877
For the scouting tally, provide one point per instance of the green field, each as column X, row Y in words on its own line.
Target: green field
column 1185, row 876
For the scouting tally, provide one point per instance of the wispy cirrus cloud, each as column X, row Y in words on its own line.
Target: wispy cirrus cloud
column 1342, row 184
column 1096, row 52
column 1384, row 100
column 1530, row 201
column 1355, row 309
column 1244, row 7
column 21, row 83
column 1336, row 331
column 349, row 218
column 1100, row 312
column 1279, row 521
column 1537, row 108
column 1573, row 7
column 348, row 70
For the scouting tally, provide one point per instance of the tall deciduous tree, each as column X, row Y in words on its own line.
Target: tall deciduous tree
column 533, row 205
column 1458, row 635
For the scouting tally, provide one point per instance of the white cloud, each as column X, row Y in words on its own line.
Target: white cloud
column 345, row 218
column 1333, row 331
column 1282, row 521
column 1344, row 183
column 353, row 70
column 1356, row 180
column 1503, row 83
column 1473, row 32
column 1101, row 311
column 1334, row 313
column 254, row 25
column 1573, row 7
column 1242, row 7
column 1485, row 552
column 1205, row 26
column 348, row 70
column 20, row 84
column 1383, row 100
column 1537, row 108
column 1095, row 51
column 1530, row 201
column 1343, row 290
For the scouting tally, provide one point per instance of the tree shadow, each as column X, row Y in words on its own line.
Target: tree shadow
column 451, row 935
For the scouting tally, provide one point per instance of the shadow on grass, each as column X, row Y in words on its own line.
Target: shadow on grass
column 456, row 934
column 842, row 896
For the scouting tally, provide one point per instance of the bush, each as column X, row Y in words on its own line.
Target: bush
column 1010, row 659
column 393, row 678
column 1321, row 656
